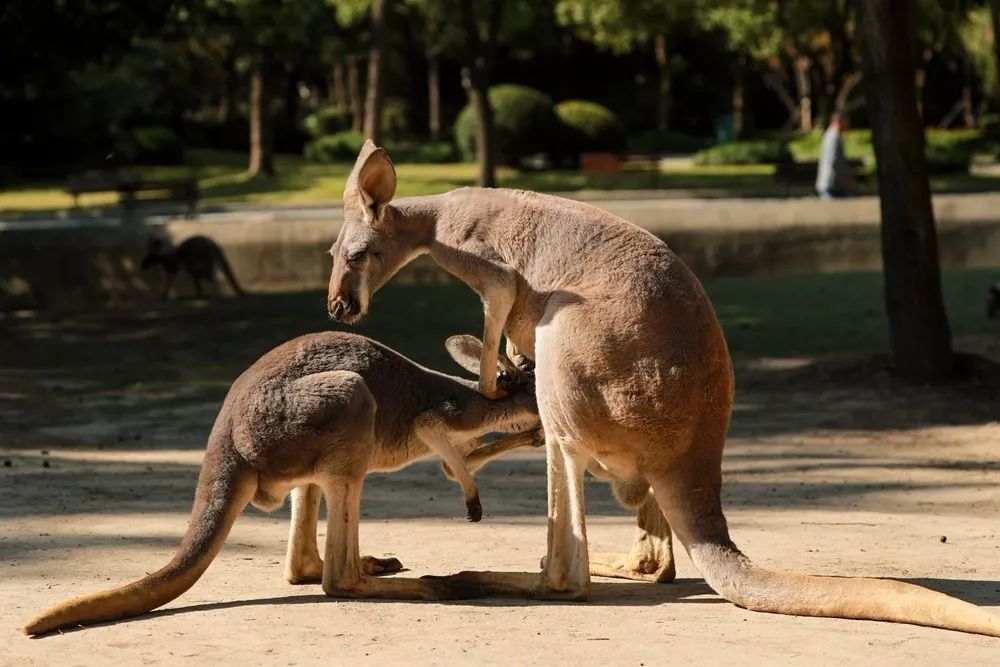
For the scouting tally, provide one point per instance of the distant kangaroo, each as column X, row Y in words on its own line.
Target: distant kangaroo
column 197, row 255
column 633, row 379
column 323, row 410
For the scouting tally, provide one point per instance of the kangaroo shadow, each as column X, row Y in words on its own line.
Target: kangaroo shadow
column 603, row 594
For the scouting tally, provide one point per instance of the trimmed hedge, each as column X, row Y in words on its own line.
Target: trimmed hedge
column 339, row 147
column 327, row 120
column 525, row 123
column 759, row 151
column 153, row 144
column 588, row 126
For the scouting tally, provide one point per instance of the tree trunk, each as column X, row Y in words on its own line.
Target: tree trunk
column 995, row 24
column 663, row 85
column 739, row 119
column 480, row 54
column 918, row 325
column 968, row 111
column 485, row 158
column 227, row 100
column 373, row 105
column 920, row 79
column 261, row 148
column 776, row 80
column 338, row 89
column 354, row 93
column 433, row 96
column 803, row 82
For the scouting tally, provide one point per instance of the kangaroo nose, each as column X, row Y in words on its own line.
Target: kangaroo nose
column 335, row 308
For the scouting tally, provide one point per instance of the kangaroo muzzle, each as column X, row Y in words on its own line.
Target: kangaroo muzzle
column 343, row 309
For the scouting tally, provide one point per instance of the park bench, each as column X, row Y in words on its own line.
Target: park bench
column 614, row 163
column 133, row 189
column 795, row 173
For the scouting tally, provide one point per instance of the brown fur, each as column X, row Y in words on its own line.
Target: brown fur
column 319, row 413
column 633, row 379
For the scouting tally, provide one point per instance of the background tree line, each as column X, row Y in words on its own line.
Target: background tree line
column 104, row 82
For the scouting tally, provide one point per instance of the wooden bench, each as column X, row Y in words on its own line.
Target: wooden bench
column 805, row 172
column 132, row 189
column 614, row 163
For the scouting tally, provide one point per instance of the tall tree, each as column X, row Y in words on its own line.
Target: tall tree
column 624, row 25
column 918, row 325
column 482, row 33
column 439, row 34
column 373, row 103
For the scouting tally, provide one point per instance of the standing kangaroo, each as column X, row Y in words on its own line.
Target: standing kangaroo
column 633, row 380
column 197, row 255
column 318, row 413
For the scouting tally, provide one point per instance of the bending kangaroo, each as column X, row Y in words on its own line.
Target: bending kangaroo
column 198, row 255
column 633, row 379
column 320, row 411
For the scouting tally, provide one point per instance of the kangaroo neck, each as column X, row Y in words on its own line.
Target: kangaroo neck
column 457, row 231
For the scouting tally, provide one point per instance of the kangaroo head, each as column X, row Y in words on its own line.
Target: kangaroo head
column 155, row 250
column 374, row 243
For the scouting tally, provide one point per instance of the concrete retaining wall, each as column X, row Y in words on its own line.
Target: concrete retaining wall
column 91, row 264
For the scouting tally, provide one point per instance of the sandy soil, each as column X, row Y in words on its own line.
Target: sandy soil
column 831, row 472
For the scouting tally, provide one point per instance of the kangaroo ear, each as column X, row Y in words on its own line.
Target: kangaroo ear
column 372, row 182
column 466, row 351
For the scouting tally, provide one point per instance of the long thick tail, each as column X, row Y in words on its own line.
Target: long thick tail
column 228, row 270
column 696, row 517
column 225, row 486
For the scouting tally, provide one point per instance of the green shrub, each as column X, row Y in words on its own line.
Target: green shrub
column 587, row 126
column 339, row 147
column 758, row 151
column 327, row 120
column 152, row 144
column 395, row 118
column 423, row 152
column 524, row 124
column 664, row 141
column 950, row 151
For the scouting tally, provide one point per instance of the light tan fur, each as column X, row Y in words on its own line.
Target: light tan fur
column 317, row 414
column 633, row 380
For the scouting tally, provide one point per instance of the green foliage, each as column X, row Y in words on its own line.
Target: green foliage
column 757, row 151
column 588, row 126
column 153, row 144
column 525, row 123
column 423, row 152
column 395, row 117
column 949, row 151
column 622, row 25
column 327, row 120
column 657, row 142
column 339, row 147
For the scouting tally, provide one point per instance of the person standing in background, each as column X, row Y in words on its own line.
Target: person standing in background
column 834, row 176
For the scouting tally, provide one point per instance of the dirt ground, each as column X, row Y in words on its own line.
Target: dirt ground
column 830, row 468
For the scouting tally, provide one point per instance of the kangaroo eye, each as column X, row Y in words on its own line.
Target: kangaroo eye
column 356, row 256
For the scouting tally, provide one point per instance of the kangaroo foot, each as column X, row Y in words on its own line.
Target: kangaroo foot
column 633, row 566
column 311, row 572
column 375, row 566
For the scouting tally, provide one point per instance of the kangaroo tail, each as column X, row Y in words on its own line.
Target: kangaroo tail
column 228, row 270
column 695, row 514
column 225, row 486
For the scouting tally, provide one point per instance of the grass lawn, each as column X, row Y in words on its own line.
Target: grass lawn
column 222, row 179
